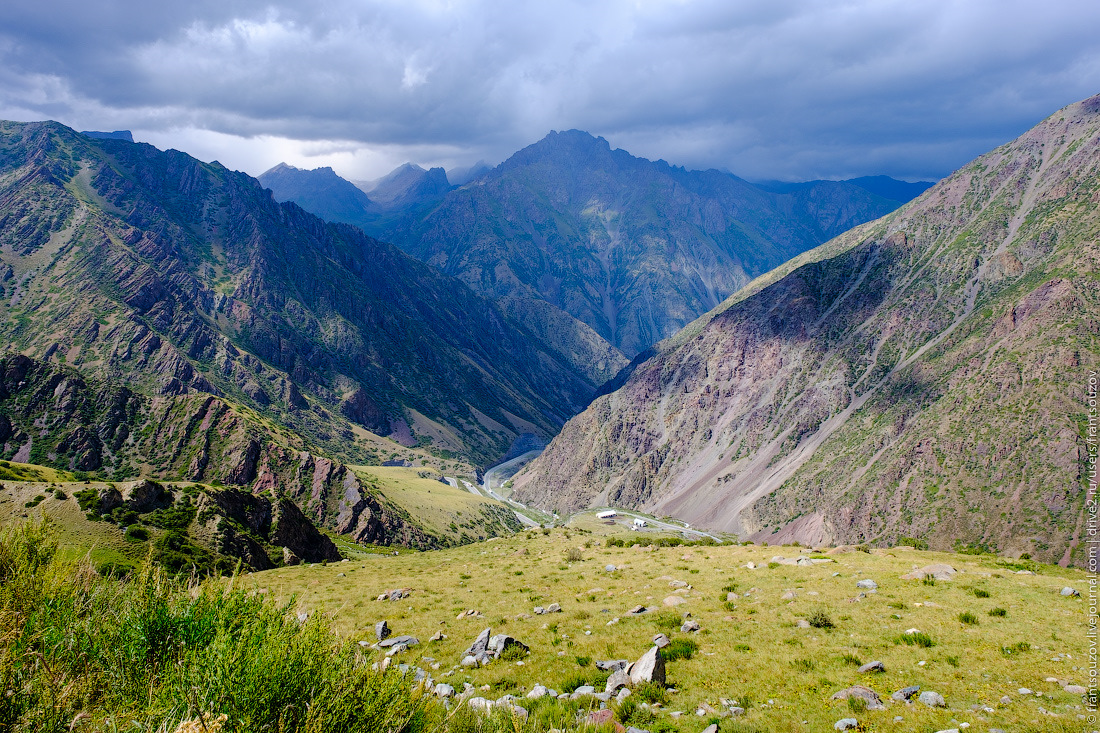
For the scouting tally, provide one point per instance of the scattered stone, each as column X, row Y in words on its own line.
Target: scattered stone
column 736, row 711
column 538, row 691
column 396, row 649
column 470, row 661
column 1067, row 591
column 437, row 636
column 674, row 601
column 788, row 596
column 614, row 664
column 469, row 613
column 712, row 728
column 619, row 679
column 382, row 630
column 932, row 699
column 867, row 584
column 750, row 565
column 802, row 623
column 481, row 644
column 1075, row 689
column 303, row 617
column 649, row 668
column 553, row 608
column 846, row 724
column 444, row 690
column 403, row 639
column 661, row 641
column 939, row 571
column 637, row 610
column 677, row 584
column 609, row 568
column 948, row 730
column 1006, row 700
column 582, row 691
column 730, row 597
column 688, row 626
column 539, row 610
column 906, row 694
column 874, row 702
column 503, row 642
column 1023, row 691
column 872, row 667
column 600, row 717
column 624, row 693
column 480, row 704
column 612, row 622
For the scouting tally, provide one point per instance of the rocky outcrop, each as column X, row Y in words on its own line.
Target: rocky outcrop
column 884, row 385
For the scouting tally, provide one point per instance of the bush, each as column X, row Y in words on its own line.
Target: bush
column 913, row 542
column 820, row 620
column 968, row 618
column 981, row 593
column 1000, row 612
column 582, row 677
column 680, row 649
column 574, row 555
column 918, row 638
column 928, row 579
column 803, row 665
column 851, row 659
column 651, row 692
column 134, row 533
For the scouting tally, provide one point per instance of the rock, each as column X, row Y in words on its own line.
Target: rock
column 470, row 661
column 674, row 601
column 600, row 717
column 582, row 691
column 802, row 623
column 689, row 626
column 939, row 571
column 804, row 562
column 661, row 641
column 467, row 614
column 618, row 680
column 788, row 596
column 874, row 702
column 677, row 584
column 503, row 642
column 396, row 649
column 948, row 730
column 480, row 704
column 1006, row 700
column 398, row 593
column 437, row 636
column 1075, row 689
column 1024, row 691
column 394, row 640
column 932, row 699
column 538, row 691
column 906, row 693
column 480, row 645
column 846, row 724
column 539, row 610
column 623, row 694
column 613, row 664
column 609, row 568
column 382, row 630
column 649, row 668
column 736, row 711
column 553, row 608
column 632, row 729
column 637, row 610
column 1067, row 591
column 712, row 728
column 444, row 690
column 872, row 667
column 731, row 597
column 867, row 584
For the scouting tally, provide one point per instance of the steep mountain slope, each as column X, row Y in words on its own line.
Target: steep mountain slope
column 922, row 375
column 408, row 186
column 633, row 248
column 173, row 277
column 320, row 191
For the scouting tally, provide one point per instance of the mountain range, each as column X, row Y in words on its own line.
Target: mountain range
column 632, row 249
column 920, row 376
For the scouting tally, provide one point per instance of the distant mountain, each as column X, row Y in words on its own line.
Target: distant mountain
column 116, row 135
column 175, row 277
column 883, row 186
column 320, row 191
column 408, row 186
column 635, row 249
column 462, row 176
column 922, row 375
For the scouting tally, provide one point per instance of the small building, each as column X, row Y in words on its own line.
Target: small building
column 639, row 522
column 609, row 514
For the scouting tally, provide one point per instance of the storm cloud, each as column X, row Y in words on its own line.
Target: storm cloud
column 772, row 89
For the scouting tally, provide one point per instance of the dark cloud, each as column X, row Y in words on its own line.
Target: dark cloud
column 776, row 89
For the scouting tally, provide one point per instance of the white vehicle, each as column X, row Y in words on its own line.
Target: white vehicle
column 639, row 522
column 606, row 515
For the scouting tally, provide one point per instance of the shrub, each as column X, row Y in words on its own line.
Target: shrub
column 981, row 593
column 968, row 618
column 1000, row 612
column 584, row 661
column 668, row 622
column 651, row 692
column 59, row 495
column 851, row 659
column 1018, row 648
column 820, row 620
column 918, row 638
column 913, row 542
column 574, row 555
column 134, row 533
column 928, row 579
column 629, row 713
column 582, row 677
column 513, row 653
column 680, row 649
column 803, row 665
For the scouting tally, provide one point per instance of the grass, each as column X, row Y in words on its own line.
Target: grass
column 738, row 651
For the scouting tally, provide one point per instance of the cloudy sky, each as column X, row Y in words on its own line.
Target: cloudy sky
column 767, row 89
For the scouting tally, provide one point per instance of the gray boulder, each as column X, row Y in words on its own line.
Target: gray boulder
column 859, row 692
column 689, row 626
column 1067, row 591
column 444, row 690
column 867, row 584
column 395, row 640
column 661, row 641
column 582, row 691
column 618, row 680
column 553, row 608
column 932, row 699
column 503, row 642
column 538, row 691
column 613, row 664
column 649, row 668
column 382, row 630
column 872, row 667
column 906, row 694
column 846, row 724
column 480, row 645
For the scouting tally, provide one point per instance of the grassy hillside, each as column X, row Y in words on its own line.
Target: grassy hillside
column 750, row 648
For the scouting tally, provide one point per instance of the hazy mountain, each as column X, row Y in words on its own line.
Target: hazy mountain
column 923, row 375
column 884, row 186
column 320, row 191
column 172, row 277
column 408, row 186
column 462, row 176
column 116, row 135
column 635, row 249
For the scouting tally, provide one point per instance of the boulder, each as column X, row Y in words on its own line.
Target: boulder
column 637, row 610
column 649, row 668
column 582, row 691
column 677, row 584
column 672, row 601
column 712, row 728
column 609, row 568
column 444, row 690
column 867, row 584
column 437, row 636
column 395, row 640
column 539, row 610
column 846, row 724
column 480, row 645
column 538, row 691
column 874, row 702
column 613, row 664
column 618, row 680
column 470, row 661
column 1075, row 689
column 689, row 626
column 503, row 642
column 1067, row 591
column 731, row 597
column 939, row 571
column 553, row 608
column 382, row 630
column 932, row 699
column 661, row 641
column 480, row 704
column 906, row 694
column 872, row 667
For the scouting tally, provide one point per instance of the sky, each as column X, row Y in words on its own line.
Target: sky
column 769, row 89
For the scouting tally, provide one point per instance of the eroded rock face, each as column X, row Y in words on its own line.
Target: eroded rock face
column 650, row 667
column 861, row 360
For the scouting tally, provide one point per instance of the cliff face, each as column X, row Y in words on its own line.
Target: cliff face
column 175, row 277
column 921, row 375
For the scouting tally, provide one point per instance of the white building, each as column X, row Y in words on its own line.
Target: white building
column 639, row 522
column 606, row 515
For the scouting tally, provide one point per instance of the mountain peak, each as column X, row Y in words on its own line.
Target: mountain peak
column 116, row 135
